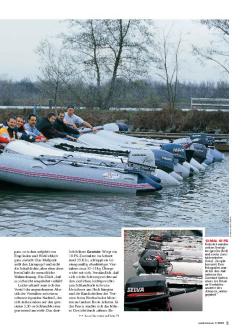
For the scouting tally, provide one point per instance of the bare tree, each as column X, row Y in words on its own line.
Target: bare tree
column 108, row 49
column 56, row 72
column 168, row 66
column 85, row 44
column 215, row 52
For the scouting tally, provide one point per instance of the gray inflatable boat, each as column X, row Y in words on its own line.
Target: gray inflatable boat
column 69, row 173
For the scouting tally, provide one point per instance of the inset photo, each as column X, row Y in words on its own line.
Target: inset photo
column 163, row 269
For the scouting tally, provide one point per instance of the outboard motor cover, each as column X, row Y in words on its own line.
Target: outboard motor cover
column 152, row 245
column 177, row 150
column 146, row 290
column 122, row 127
column 203, row 139
column 164, row 160
column 156, row 238
column 200, row 152
column 141, row 159
column 153, row 261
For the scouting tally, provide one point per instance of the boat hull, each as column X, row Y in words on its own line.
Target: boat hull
column 29, row 172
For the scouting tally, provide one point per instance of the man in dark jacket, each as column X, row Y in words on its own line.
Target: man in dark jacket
column 46, row 127
column 62, row 127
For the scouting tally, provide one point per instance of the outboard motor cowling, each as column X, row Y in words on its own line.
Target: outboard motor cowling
column 122, row 127
column 155, row 238
column 164, row 160
column 152, row 245
column 153, row 261
column 203, row 139
column 147, row 292
column 200, row 152
column 177, row 150
column 141, row 160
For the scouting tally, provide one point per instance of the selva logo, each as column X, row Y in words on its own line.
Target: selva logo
column 135, row 290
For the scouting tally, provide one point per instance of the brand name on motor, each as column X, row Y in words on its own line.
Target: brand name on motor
column 178, row 150
column 135, row 290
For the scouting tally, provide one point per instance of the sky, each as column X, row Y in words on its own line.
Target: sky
column 19, row 40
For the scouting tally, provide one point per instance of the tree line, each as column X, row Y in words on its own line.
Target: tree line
column 136, row 93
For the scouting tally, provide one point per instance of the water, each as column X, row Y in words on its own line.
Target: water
column 201, row 201
column 134, row 242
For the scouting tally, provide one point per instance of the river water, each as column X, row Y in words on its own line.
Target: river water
column 201, row 201
column 134, row 242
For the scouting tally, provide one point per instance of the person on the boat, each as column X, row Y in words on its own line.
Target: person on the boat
column 31, row 130
column 12, row 128
column 71, row 119
column 21, row 133
column 62, row 127
column 46, row 127
column 9, row 133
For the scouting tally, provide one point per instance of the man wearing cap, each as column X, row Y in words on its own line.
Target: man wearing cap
column 75, row 121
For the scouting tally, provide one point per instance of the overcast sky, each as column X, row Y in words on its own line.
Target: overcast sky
column 20, row 38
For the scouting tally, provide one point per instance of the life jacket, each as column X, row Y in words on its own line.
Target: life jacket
column 4, row 135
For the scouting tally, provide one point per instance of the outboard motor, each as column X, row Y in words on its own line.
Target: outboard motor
column 182, row 154
column 186, row 143
column 122, row 127
column 152, row 245
column 155, row 238
column 148, row 292
column 177, row 150
column 164, row 160
column 189, row 151
column 213, row 155
column 152, row 292
column 153, row 261
column 142, row 160
column 200, row 152
column 203, row 139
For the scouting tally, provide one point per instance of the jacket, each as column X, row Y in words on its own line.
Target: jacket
column 62, row 127
column 48, row 130
column 24, row 135
column 4, row 135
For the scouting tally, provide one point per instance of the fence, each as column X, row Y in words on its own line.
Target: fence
column 210, row 104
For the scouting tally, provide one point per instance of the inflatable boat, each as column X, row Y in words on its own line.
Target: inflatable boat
column 168, row 168
column 114, row 141
column 77, row 174
column 64, row 148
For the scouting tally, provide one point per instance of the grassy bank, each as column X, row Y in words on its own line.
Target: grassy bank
column 193, row 121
